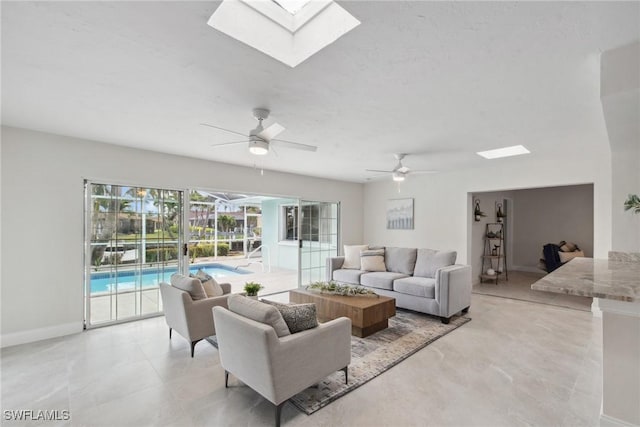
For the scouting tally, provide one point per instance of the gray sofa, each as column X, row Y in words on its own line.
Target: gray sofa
column 423, row 280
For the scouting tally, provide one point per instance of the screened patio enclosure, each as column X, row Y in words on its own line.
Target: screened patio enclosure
column 137, row 237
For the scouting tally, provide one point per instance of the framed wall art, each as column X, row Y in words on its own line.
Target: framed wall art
column 400, row 214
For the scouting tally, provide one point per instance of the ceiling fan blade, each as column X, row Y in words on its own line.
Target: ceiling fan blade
column 271, row 132
column 295, row 145
column 229, row 143
column 378, row 170
column 419, row 172
column 226, row 130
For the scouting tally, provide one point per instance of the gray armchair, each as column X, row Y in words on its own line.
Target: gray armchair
column 192, row 319
column 280, row 367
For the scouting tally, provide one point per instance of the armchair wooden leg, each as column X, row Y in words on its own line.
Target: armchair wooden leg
column 445, row 320
column 226, row 379
column 278, row 412
column 466, row 310
column 170, row 332
column 346, row 374
column 193, row 346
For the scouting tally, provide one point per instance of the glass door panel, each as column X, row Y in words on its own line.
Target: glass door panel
column 133, row 240
column 318, row 239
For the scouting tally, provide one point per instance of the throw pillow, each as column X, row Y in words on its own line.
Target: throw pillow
column 569, row 247
column 189, row 284
column 299, row 317
column 352, row 256
column 372, row 260
column 400, row 260
column 259, row 312
column 568, row 256
column 429, row 261
column 211, row 287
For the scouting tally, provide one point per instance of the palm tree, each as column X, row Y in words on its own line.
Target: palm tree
column 226, row 222
column 201, row 205
column 107, row 203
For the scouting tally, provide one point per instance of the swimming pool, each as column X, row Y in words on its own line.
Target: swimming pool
column 151, row 277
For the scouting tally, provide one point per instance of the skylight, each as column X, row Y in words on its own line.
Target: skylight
column 514, row 150
column 288, row 30
column 292, row 6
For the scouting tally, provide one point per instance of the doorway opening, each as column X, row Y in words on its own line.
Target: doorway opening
column 530, row 219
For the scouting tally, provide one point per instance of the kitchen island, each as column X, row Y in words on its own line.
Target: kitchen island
column 616, row 284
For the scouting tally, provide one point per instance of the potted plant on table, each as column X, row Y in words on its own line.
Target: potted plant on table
column 252, row 289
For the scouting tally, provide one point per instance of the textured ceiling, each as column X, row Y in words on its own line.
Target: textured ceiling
column 443, row 79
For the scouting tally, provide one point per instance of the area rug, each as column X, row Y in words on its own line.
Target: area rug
column 407, row 333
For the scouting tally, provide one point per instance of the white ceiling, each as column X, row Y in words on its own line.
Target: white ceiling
column 440, row 78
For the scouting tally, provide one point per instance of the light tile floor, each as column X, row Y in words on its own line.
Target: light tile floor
column 519, row 287
column 514, row 364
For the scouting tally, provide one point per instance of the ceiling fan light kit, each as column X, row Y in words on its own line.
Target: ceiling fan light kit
column 258, row 147
column 398, row 176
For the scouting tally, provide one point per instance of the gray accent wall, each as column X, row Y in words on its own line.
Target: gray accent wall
column 549, row 215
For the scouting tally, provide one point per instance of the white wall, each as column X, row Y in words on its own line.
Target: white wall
column 620, row 97
column 42, row 216
column 549, row 215
column 282, row 254
column 443, row 203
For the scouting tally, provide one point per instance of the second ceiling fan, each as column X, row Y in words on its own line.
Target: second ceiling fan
column 400, row 171
column 260, row 139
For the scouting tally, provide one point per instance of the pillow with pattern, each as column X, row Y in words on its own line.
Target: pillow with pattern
column 211, row 287
column 372, row 260
column 298, row 317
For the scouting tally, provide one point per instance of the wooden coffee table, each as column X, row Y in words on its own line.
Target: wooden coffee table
column 368, row 314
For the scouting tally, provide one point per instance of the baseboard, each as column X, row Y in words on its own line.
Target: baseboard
column 32, row 335
column 527, row 269
column 608, row 421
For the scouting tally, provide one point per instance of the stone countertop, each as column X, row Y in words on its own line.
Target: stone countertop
column 597, row 278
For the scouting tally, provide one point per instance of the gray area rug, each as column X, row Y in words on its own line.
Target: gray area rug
column 407, row 333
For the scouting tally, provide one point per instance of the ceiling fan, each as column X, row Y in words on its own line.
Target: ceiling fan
column 260, row 139
column 400, row 172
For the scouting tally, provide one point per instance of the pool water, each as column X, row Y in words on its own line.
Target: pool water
column 151, row 277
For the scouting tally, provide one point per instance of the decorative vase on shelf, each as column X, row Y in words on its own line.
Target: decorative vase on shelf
column 499, row 214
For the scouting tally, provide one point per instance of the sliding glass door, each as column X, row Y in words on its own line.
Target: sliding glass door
column 318, row 239
column 134, row 239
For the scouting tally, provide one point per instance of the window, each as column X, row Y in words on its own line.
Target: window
column 288, row 223
column 310, row 223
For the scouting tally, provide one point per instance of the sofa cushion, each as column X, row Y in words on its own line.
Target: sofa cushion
column 298, row 317
column 188, row 284
column 372, row 260
column 380, row 280
column 352, row 256
column 429, row 261
column 348, row 276
column 418, row 286
column 259, row 312
column 400, row 260
column 211, row 287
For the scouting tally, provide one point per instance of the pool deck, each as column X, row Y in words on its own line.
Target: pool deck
column 103, row 308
